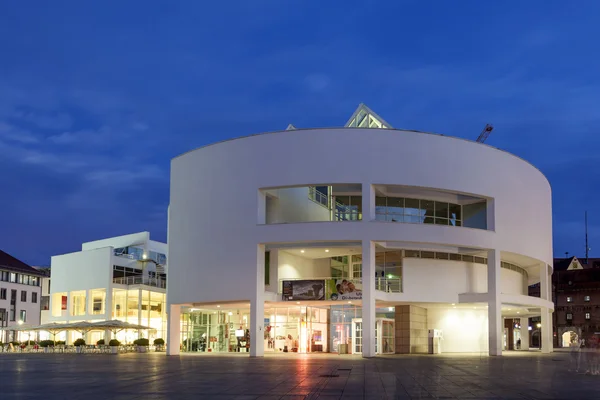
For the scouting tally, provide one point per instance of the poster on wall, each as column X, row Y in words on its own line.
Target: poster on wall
column 304, row 290
column 343, row 289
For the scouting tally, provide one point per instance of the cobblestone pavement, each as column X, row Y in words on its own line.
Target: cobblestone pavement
column 292, row 376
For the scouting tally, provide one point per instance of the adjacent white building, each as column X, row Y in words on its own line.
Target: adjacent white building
column 120, row 278
column 20, row 295
column 355, row 240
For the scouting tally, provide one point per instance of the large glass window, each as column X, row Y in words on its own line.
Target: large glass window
column 417, row 211
column 78, row 303
column 98, row 301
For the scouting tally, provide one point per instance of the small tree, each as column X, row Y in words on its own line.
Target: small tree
column 100, row 342
column 79, row 342
column 114, row 342
column 159, row 342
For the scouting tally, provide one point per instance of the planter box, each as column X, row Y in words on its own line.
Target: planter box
column 114, row 349
column 46, row 349
column 79, row 349
column 141, row 349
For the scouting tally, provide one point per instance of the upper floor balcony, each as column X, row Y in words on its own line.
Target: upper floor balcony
column 141, row 280
column 393, row 203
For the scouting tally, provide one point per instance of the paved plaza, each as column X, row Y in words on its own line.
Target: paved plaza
column 292, row 376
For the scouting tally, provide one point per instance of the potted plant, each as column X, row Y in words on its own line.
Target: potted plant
column 142, row 344
column 79, row 343
column 100, row 342
column 15, row 345
column 114, row 346
column 159, row 344
column 46, row 344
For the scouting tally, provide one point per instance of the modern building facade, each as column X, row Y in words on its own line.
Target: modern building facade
column 122, row 278
column 363, row 239
column 20, row 295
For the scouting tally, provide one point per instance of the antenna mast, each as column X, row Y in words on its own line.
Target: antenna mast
column 587, row 247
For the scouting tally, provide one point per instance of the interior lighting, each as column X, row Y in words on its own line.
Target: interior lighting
column 529, row 328
column 453, row 304
column 230, row 313
column 349, row 302
column 539, row 325
column 326, row 250
column 390, row 276
column 297, row 302
column 301, row 251
column 20, row 322
column 391, row 309
column 518, row 312
column 218, row 306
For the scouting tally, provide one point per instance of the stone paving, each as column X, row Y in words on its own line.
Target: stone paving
column 291, row 376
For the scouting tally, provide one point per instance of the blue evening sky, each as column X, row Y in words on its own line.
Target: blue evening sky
column 97, row 97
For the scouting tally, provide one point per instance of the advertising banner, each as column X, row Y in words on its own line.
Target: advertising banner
column 304, row 290
column 344, row 289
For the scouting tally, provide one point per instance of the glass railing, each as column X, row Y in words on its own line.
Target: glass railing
column 318, row 197
column 141, row 280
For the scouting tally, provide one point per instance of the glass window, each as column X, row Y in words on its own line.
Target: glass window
column 3, row 294
column 569, row 299
column 23, row 316
column 569, row 316
column 587, row 315
column 78, row 303
column 441, row 209
column 428, row 208
column 455, row 257
column 98, row 299
column 411, row 207
column 455, row 212
column 267, row 267
column 427, row 254
column 395, row 205
column 23, row 296
column 13, row 277
column 586, row 298
column 441, row 256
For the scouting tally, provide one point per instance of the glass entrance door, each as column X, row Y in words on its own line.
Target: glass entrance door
column 357, row 336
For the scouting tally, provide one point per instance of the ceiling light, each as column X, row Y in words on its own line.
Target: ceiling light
column 230, row 313
column 301, row 251
column 453, row 304
column 297, row 302
column 218, row 306
column 326, row 250
column 518, row 312
column 349, row 302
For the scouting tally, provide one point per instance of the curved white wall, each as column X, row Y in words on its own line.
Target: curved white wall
column 213, row 231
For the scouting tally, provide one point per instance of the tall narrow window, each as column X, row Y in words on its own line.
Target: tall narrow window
column 23, row 296
column 267, row 267
column 587, row 315
column 34, row 297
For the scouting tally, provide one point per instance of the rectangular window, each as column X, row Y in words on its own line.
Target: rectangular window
column 3, row 294
column 569, row 316
column 13, row 277
column 267, row 266
column 587, row 315
column 33, row 297
column 586, row 298
column 23, row 316
column 13, row 315
column 569, row 299
column 23, row 295
column 3, row 316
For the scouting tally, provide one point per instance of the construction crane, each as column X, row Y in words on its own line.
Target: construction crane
column 485, row 133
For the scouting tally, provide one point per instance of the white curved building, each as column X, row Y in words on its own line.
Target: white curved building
column 356, row 240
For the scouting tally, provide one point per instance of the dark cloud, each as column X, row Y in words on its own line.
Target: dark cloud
column 94, row 103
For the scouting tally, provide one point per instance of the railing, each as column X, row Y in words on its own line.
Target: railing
column 141, row 280
column 318, row 197
column 389, row 285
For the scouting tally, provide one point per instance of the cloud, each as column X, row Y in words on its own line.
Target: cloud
column 14, row 134
column 133, row 175
column 45, row 120
column 84, row 136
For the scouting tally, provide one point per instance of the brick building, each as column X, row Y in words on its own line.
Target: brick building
column 576, row 296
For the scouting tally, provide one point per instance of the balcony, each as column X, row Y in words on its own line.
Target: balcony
column 141, row 280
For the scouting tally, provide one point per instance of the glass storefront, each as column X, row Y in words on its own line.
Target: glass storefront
column 294, row 329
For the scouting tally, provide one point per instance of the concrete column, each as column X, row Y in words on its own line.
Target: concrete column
column 257, row 307
column 524, row 322
column 174, row 330
column 544, row 282
column 261, row 216
column 546, row 331
column 368, row 300
column 494, row 304
column 491, row 215
column 274, row 271
column 368, row 202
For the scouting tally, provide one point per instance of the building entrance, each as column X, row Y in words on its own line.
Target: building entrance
column 384, row 333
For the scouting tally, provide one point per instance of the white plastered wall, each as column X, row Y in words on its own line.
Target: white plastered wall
column 464, row 330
